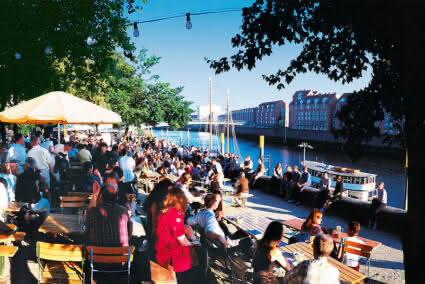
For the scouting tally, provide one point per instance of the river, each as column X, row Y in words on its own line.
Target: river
column 388, row 169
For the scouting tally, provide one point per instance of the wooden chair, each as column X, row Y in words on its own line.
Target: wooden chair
column 75, row 202
column 110, row 255
column 359, row 249
column 59, row 261
column 162, row 275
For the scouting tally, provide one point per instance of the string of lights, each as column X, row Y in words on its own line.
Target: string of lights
column 136, row 32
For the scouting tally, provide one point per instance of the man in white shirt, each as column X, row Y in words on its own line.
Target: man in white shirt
column 127, row 164
column 317, row 270
column 218, row 169
column 42, row 159
column 207, row 221
column 17, row 152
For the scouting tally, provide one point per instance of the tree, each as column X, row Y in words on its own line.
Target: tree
column 340, row 39
column 138, row 100
column 44, row 42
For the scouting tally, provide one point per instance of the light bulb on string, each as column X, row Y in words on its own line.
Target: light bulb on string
column 47, row 50
column 91, row 41
column 188, row 23
column 18, row 55
column 136, row 30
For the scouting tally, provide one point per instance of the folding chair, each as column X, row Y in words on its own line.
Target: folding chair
column 110, row 255
column 59, row 261
column 75, row 202
column 359, row 249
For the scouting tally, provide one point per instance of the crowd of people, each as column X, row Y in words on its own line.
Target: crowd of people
column 33, row 167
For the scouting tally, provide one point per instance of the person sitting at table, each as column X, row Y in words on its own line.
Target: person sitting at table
column 267, row 253
column 206, row 219
column 89, row 176
column 286, row 181
column 172, row 246
column 108, row 223
column 242, row 188
column 83, row 154
column 195, row 202
column 215, row 184
column 310, row 227
column 349, row 259
column 152, row 206
column 316, row 270
column 30, row 182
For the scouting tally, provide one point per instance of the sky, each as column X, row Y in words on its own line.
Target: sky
column 183, row 51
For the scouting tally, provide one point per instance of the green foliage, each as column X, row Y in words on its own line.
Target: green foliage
column 30, row 26
column 340, row 39
column 139, row 101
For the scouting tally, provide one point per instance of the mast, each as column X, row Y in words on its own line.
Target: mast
column 228, row 117
column 210, row 115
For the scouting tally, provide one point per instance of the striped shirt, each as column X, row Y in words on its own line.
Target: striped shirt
column 107, row 225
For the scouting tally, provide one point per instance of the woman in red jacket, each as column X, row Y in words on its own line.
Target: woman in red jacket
column 172, row 246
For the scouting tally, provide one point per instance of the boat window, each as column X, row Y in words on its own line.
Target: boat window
column 363, row 181
column 356, row 180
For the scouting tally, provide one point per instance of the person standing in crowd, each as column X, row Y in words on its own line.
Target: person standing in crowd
column 17, row 152
column 316, row 270
column 128, row 165
column 6, row 173
column 349, row 259
column 268, row 255
column 101, row 158
column 42, row 159
column 378, row 203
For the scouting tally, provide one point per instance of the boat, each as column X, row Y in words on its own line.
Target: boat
column 358, row 185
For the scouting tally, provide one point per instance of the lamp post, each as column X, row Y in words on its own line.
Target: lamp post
column 305, row 145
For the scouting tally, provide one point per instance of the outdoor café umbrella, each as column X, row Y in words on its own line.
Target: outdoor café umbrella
column 58, row 108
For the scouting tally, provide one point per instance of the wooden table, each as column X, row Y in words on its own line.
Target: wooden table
column 251, row 224
column 8, row 251
column 14, row 206
column 61, row 223
column 16, row 236
column 296, row 224
column 346, row 273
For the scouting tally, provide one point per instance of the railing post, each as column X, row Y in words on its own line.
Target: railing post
column 262, row 147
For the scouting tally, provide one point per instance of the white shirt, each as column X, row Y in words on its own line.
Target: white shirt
column 3, row 201
column 350, row 259
column 41, row 156
column 127, row 164
column 206, row 219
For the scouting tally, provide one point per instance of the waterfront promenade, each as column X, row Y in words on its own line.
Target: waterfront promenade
column 386, row 261
column 386, row 264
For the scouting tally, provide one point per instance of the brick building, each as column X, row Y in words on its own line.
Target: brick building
column 311, row 110
column 272, row 114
